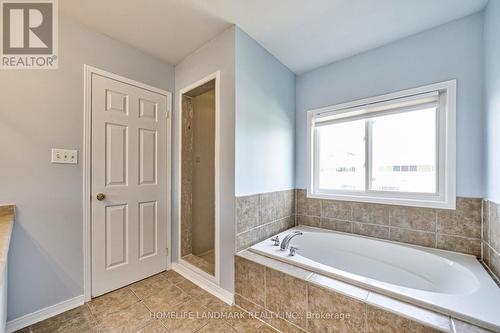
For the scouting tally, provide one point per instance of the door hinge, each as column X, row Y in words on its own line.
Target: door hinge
column 166, row 250
column 168, row 114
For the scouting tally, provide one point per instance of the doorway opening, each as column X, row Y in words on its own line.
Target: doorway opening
column 198, row 166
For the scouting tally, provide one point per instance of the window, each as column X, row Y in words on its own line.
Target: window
column 395, row 149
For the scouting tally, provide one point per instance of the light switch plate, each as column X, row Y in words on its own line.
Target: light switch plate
column 64, row 156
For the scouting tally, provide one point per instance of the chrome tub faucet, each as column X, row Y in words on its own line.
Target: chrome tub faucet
column 286, row 241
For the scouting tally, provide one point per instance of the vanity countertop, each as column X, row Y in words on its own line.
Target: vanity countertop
column 6, row 224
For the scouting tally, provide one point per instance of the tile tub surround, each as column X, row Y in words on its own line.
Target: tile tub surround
column 292, row 299
column 133, row 308
column 491, row 237
column 262, row 215
column 456, row 230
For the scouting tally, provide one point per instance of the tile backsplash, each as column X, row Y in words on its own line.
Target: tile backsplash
column 455, row 230
column 262, row 215
column 472, row 228
column 491, row 236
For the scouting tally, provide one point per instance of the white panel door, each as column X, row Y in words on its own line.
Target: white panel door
column 129, row 163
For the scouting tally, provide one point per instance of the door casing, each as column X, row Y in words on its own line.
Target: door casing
column 87, row 164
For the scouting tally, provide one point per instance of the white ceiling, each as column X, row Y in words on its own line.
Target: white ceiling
column 302, row 34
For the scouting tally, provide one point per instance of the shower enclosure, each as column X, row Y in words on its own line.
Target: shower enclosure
column 198, row 177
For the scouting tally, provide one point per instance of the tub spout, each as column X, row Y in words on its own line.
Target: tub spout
column 286, row 241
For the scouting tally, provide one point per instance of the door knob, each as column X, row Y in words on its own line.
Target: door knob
column 100, row 196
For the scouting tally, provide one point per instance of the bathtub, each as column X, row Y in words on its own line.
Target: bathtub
column 447, row 282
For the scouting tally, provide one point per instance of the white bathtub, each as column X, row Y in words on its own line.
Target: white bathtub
column 451, row 283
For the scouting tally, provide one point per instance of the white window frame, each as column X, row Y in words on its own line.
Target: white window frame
column 444, row 198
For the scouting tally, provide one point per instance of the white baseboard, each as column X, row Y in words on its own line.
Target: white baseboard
column 50, row 311
column 203, row 283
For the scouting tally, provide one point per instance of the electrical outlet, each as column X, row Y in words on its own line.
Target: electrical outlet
column 65, row 156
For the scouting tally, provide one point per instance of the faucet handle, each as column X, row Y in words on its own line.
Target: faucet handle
column 276, row 240
column 293, row 249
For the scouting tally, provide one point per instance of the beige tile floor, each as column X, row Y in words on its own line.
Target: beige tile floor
column 179, row 305
column 208, row 256
column 205, row 262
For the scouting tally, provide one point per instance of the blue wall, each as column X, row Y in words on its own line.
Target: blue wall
column 492, row 118
column 265, row 120
column 451, row 51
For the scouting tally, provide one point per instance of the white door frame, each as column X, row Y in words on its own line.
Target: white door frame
column 214, row 76
column 87, row 163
